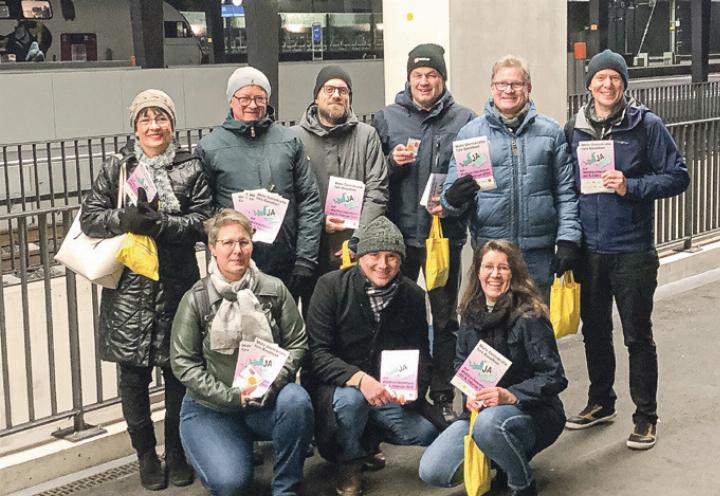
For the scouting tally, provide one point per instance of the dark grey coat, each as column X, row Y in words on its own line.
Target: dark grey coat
column 136, row 318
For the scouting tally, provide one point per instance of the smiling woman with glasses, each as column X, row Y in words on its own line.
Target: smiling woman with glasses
column 522, row 414
column 237, row 303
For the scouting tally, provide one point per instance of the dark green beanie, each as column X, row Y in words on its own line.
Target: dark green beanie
column 381, row 235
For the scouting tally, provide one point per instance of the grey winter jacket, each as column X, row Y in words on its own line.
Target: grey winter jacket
column 246, row 155
column 207, row 374
column 436, row 131
column 136, row 317
column 535, row 203
column 351, row 150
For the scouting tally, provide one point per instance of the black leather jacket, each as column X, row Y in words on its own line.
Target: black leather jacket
column 136, row 318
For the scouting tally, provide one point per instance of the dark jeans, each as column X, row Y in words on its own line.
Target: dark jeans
column 631, row 278
column 443, row 305
column 133, row 385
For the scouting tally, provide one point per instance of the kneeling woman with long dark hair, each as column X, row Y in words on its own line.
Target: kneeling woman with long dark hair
column 523, row 414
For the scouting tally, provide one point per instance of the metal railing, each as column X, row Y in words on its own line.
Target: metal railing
column 48, row 367
column 673, row 103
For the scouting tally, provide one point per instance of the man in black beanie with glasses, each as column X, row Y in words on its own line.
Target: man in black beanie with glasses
column 417, row 132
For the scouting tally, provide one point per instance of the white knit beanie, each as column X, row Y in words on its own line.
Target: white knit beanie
column 246, row 76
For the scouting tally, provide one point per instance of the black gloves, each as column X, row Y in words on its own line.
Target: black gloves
column 566, row 258
column 268, row 399
column 141, row 218
column 462, row 191
column 299, row 280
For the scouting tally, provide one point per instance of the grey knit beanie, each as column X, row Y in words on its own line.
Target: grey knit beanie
column 246, row 76
column 607, row 59
column 381, row 235
column 151, row 98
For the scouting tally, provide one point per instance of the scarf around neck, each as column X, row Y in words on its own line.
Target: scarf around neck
column 513, row 122
column 240, row 316
column 380, row 298
column 157, row 167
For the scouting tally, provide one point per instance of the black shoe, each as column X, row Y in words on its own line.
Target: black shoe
column 349, row 482
column 528, row 491
column 643, row 436
column 179, row 472
column 591, row 415
column 152, row 475
column 375, row 462
column 257, row 455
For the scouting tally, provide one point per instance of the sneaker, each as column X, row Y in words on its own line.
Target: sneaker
column 375, row 462
column 152, row 475
column 179, row 472
column 349, row 481
column 643, row 436
column 591, row 415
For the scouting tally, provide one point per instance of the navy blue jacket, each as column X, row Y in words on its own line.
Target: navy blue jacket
column 436, row 131
column 535, row 202
column 654, row 168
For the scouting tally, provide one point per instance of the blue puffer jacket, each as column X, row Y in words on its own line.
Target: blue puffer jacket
column 436, row 131
column 535, row 202
column 654, row 168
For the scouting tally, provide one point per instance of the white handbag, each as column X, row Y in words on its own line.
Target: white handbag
column 94, row 258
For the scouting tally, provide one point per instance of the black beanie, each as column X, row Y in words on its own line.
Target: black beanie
column 331, row 72
column 607, row 59
column 427, row 55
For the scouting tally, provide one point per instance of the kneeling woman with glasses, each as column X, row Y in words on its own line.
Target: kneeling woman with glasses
column 523, row 414
column 237, row 302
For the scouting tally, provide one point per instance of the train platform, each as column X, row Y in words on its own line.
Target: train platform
column 593, row 462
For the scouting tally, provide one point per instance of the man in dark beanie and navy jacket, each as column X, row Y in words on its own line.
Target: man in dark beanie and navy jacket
column 354, row 316
column 619, row 259
column 339, row 145
column 417, row 132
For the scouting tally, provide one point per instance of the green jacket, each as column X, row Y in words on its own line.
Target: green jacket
column 207, row 374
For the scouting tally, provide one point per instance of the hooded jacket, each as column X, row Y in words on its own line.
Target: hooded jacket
column 535, row 203
column 654, row 168
column 436, row 131
column 351, row 150
column 136, row 317
column 247, row 155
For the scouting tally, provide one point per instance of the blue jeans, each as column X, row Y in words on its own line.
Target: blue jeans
column 219, row 444
column 538, row 262
column 397, row 424
column 504, row 433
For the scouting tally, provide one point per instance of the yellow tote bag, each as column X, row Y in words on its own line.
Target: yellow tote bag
column 476, row 468
column 345, row 256
column 139, row 254
column 565, row 305
column 437, row 260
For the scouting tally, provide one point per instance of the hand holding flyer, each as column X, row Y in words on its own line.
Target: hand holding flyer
column 412, row 146
column 431, row 196
column 345, row 200
column 260, row 360
column 484, row 367
column 140, row 178
column 472, row 158
column 266, row 212
column 398, row 373
column 594, row 158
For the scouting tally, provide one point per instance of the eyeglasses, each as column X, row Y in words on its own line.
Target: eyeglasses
column 260, row 101
column 230, row 244
column 503, row 270
column 330, row 90
column 159, row 120
column 504, row 86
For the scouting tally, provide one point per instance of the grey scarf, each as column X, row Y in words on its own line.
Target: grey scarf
column 240, row 316
column 157, row 167
column 514, row 122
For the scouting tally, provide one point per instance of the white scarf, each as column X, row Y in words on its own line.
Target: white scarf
column 240, row 316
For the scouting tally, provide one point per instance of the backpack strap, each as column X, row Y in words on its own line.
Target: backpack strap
column 201, row 299
column 568, row 129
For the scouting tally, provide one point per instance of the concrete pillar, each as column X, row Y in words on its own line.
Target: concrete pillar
column 262, row 24
column 146, row 17
column 475, row 33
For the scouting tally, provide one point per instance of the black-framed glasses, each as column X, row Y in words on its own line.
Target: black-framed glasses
column 504, row 86
column 330, row 90
column 260, row 101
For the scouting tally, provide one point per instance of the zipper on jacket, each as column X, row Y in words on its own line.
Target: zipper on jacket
column 252, row 131
column 515, row 204
column 437, row 156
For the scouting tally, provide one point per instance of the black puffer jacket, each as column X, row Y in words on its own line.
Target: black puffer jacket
column 136, row 318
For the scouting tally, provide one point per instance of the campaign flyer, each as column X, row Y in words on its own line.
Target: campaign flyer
column 399, row 372
column 472, row 158
column 413, row 145
column 345, row 200
column 594, row 158
column 266, row 360
column 140, row 178
column 265, row 210
column 431, row 195
column 484, row 367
